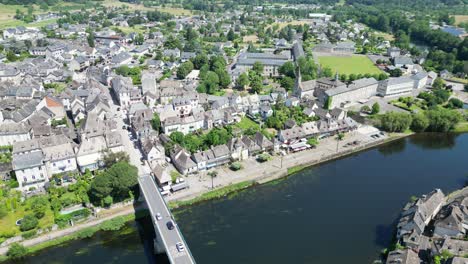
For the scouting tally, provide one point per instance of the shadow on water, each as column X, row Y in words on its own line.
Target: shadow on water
column 384, row 234
column 436, row 140
column 393, row 147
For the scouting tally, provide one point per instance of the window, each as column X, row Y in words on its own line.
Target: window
column 25, row 179
column 53, row 164
column 34, row 177
column 69, row 161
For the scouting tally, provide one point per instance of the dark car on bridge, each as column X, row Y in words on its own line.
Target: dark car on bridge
column 170, row 225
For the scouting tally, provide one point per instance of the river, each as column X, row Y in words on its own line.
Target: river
column 342, row 211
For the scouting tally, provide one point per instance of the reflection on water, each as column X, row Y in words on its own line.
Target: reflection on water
column 435, row 140
column 392, row 148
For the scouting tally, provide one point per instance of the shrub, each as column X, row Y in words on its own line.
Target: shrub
column 29, row 222
column 113, row 224
column 28, row 234
column 63, row 220
column 263, row 157
column 17, row 251
column 235, row 166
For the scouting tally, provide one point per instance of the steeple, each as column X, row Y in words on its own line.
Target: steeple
column 337, row 76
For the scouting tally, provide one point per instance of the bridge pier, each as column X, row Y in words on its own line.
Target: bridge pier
column 158, row 245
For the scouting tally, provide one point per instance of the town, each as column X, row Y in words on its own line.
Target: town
column 201, row 101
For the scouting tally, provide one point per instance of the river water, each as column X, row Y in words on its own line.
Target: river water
column 342, row 211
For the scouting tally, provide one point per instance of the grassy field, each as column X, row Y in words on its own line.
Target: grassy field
column 8, row 223
column 247, row 123
column 284, row 24
column 250, row 38
column 349, row 64
column 171, row 10
column 460, row 18
column 461, row 127
column 386, row 36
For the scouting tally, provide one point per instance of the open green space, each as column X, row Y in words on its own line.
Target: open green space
column 355, row 64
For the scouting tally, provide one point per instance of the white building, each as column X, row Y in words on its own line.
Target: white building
column 395, row 86
column 30, row 170
column 357, row 90
column 13, row 132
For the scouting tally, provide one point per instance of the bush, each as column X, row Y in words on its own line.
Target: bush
column 17, row 251
column 395, row 122
column 113, row 224
column 63, row 220
column 29, row 222
column 263, row 157
column 420, row 122
column 28, row 234
column 235, row 166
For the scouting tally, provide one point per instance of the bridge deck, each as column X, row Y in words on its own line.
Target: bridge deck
column 156, row 204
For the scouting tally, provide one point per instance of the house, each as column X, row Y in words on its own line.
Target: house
column 54, row 105
column 175, row 53
column 420, row 80
column 271, row 62
column 161, row 174
column 153, row 151
column 238, row 149
column 417, row 215
column 213, row 157
column 451, row 221
column 403, row 62
column 124, row 91
column 182, row 161
column 14, row 132
column 403, row 256
column 263, row 142
column 30, row 170
column 393, row 52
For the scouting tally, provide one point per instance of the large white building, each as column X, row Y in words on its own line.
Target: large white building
column 395, row 86
column 30, row 170
column 13, row 132
column 271, row 62
column 357, row 90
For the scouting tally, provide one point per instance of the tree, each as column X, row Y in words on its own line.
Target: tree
column 212, row 174
column 108, row 200
column 327, row 72
column 39, row 206
column 396, row 73
column 420, row 122
column 365, row 109
column 256, row 83
column 287, row 83
column 455, row 103
column 258, row 67
column 442, row 120
column 375, row 108
column 243, row 80
column 339, row 137
column 16, row 251
column 139, row 39
column 90, row 38
column 439, row 83
column 28, row 222
column 101, row 187
column 224, row 78
column 156, row 122
column 110, row 158
column 312, row 141
column 230, row 35
column 199, row 60
column 184, row 69
column 288, row 69
column 395, row 122
column 124, row 178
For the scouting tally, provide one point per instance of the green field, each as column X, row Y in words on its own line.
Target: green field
column 349, row 64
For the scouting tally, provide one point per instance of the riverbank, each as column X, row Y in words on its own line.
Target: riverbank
column 253, row 173
column 277, row 168
column 112, row 221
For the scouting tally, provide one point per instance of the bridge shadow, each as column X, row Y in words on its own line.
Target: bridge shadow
column 147, row 235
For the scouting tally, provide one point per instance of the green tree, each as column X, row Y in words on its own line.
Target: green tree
column 124, row 178
column 256, row 83
column 212, row 174
column 288, row 69
column 156, row 122
column 258, row 67
column 108, row 201
column 243, row 80
column 110, row 158
column 312, row 141
column 90, row 38
column 101, row 187
column 339, row 137
column 184, row 69
column 442, row 120
column 439, row 83
column 365, row 109
column 420, row 122
column 287, row 83
column 39, row 205
column 230, row 35
column 395, row 122
column 16, row 251
column 375, row 108
column 327, row 72
column 29, row 222
column 454, row 103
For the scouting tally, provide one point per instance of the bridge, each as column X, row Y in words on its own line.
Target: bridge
column 166, row 239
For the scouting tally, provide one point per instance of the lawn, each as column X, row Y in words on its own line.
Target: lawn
column 460, row 18
column 8, row 223
column 247, row 123
column 349, row 64
column 171, row 10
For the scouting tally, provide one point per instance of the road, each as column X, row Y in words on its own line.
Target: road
column 153, row 198
column 156, row 205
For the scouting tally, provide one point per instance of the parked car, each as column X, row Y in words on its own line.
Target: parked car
column 180, row 247
column 158, row 216
column 170, row 225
